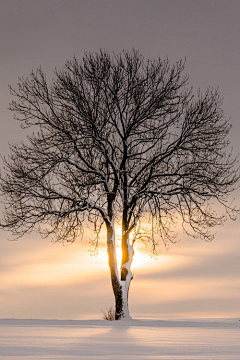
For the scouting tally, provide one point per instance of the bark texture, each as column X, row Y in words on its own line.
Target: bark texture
column 121, row 284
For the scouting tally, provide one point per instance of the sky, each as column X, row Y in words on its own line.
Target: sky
column 42, row 279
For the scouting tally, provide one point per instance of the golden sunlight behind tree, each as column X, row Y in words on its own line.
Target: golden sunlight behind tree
column 118, row 138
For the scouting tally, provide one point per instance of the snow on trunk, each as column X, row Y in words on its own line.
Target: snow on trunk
column 126, row 274
column 120, row 286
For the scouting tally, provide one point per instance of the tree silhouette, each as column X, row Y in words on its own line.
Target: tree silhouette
column 118, row 138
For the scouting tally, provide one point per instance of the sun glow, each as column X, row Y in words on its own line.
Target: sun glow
column 138, row 258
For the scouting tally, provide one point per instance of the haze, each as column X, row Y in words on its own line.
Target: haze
column 39, row 279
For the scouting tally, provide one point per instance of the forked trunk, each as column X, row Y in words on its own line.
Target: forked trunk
column 120, row 285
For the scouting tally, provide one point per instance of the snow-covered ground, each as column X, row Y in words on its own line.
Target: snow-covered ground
column 137, row 339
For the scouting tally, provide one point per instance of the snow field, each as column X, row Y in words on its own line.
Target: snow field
column 136, row 339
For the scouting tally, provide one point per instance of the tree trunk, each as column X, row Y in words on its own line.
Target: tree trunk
column 120, row 286
column 126, row 274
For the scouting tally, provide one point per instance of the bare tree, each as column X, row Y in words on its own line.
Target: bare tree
column 118, row 138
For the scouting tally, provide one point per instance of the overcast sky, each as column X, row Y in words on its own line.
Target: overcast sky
column 39, row 279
